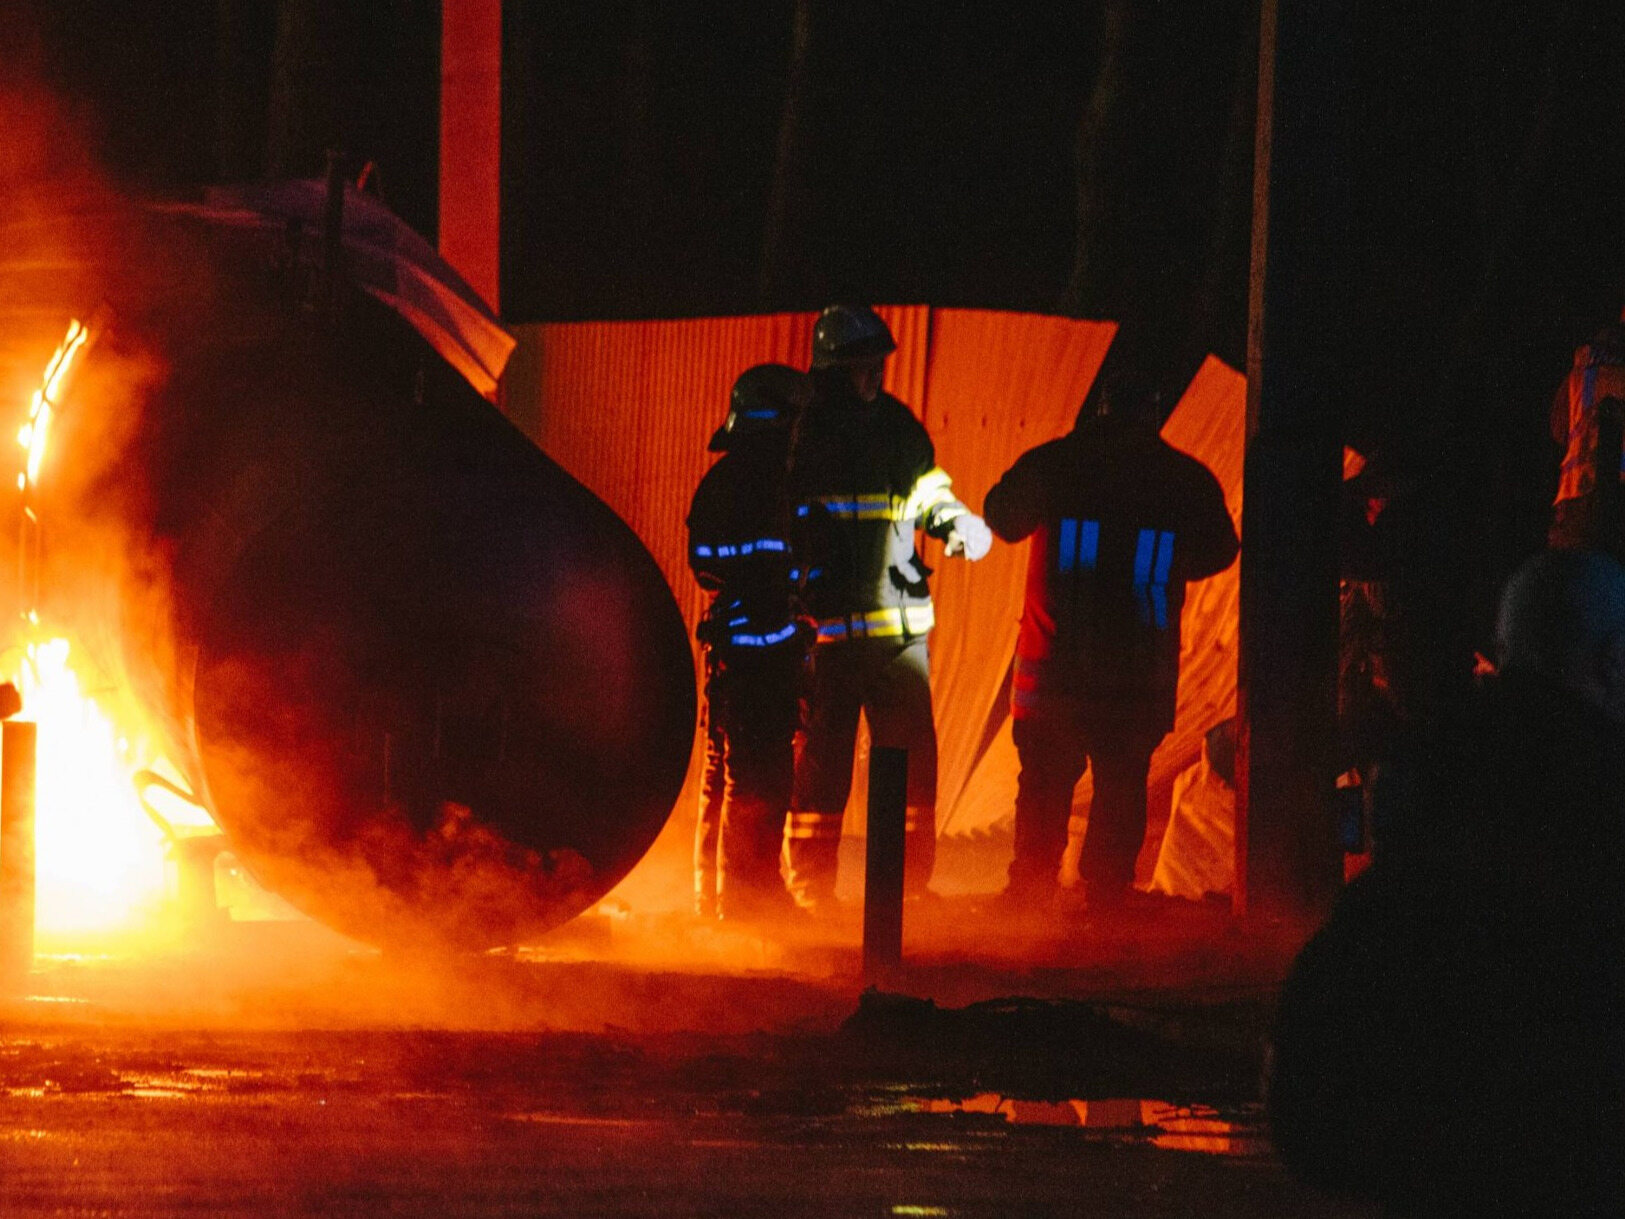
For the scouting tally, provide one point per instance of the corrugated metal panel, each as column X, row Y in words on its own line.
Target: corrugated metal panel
column 999, row 383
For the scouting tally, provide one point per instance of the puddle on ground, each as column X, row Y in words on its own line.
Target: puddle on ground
column 1149, row 1123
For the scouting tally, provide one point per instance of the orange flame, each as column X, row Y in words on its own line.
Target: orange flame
column 104, row 857
column 99, row 861
column 47, row 397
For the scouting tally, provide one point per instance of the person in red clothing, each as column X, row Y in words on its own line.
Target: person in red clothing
column 1120, row 521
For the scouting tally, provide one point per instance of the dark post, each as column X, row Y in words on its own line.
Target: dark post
column 333, row 237
column 1610, row 440
column 883, row 863
column 1288, row 859
column 17, row 753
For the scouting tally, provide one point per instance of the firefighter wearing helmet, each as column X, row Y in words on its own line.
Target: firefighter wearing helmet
column 864, row 479
column 754, row 645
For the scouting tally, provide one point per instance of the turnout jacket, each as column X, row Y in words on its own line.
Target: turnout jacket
column 739, row 549
column 1119, row 521
column 864, row 478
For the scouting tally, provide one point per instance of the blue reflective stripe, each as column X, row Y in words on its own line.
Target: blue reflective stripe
column 861, row 507
column 764, row 641
column 1145, row 551
column 1159, row 587
column 1165, row 556
column 1151, row 593
column 1079, row 544
column 1069, row 541
column 741, row 549
column 1088, row 544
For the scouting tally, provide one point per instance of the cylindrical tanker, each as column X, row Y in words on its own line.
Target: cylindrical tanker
column 434, row 691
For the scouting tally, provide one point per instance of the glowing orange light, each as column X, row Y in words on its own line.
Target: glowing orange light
column 102, row 862
column 46, row 399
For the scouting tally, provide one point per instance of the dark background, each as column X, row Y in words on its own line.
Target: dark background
column 670, row 160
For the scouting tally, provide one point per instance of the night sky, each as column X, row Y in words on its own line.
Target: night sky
column 935, row 156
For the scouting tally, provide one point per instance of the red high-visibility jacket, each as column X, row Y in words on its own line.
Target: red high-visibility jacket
column 1119, row 522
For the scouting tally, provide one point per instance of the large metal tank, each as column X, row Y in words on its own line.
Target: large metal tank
column 434, row 691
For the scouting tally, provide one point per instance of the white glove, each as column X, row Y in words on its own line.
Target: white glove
column 970, row 537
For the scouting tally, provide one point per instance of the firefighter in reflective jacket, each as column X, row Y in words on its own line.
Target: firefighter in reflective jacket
column 755, row 648
column 1119, row 521
column 864, row 478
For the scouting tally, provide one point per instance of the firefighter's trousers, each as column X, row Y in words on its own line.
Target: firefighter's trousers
column 889, row 681
column 751, row 712
column 1056, row 742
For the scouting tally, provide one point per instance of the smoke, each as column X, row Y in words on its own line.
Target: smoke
column 126, row 463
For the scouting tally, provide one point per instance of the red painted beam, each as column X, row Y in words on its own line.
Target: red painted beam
column 471, row 141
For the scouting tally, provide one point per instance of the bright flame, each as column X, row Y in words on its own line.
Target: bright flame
column 106, row 813
column 42, row 409
column 100, row 860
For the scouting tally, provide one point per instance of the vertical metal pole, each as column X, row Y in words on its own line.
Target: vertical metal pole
column 1287, row 853
column 1610, row 440
column 471, row 142
column 18, row 743
column 333, row 238
column 883, row 863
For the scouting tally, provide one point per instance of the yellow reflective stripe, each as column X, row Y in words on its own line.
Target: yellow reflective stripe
column 812, row 825
column 860, row 507
column 932, row 489
column 878, row 624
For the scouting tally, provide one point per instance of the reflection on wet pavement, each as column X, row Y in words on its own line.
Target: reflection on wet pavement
column 162, row 1124
column 1202, row 1128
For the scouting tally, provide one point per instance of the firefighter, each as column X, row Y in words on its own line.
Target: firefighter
column 1119, row 522
column 755, row 648
column 1597, row 375
column 864, row 479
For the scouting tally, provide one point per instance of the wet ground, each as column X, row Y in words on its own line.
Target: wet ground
column 270, row 1077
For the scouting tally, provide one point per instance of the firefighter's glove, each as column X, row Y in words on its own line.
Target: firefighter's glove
column 970, row 537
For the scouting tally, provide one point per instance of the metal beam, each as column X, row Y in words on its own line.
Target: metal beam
column 1288, row 860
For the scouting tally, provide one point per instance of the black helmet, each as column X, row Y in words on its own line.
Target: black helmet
column 849, row 334
column 1128, row 397
column 765, row 397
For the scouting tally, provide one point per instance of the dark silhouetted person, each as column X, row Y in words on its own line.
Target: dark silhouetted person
column 1119, row 522
column 865, row 479
column 755, row 647
column 1453, row 1040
